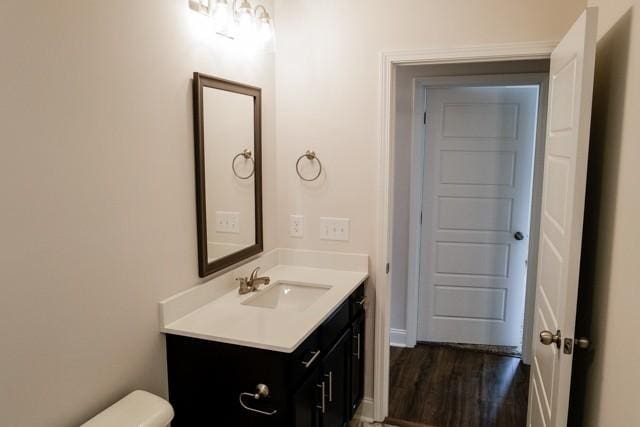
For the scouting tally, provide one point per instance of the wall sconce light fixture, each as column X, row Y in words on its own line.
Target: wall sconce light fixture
column 237, row 19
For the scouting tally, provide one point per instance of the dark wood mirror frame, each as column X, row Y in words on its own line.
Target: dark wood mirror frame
column 200, row 81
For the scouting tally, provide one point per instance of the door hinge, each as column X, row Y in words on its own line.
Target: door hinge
column 424, row 118
column 388, row 268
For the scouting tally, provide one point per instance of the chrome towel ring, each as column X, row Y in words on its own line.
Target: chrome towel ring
column 311, row 155
column 248, row 156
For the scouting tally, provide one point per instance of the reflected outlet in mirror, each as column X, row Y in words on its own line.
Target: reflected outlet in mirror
column 287, row 296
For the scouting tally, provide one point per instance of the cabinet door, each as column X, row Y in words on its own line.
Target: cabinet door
column 306, row 402
column 334, row 408
column 357, row 364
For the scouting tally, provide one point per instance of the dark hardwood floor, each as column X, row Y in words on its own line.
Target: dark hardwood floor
column 442, row 386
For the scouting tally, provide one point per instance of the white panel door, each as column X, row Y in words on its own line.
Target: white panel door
column 565, row 171
column 476, row 196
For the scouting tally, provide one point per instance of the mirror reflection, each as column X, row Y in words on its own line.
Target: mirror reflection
column 228, row 172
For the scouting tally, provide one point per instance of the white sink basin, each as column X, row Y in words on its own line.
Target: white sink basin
column 287, row 296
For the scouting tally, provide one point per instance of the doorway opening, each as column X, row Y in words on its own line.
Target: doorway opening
column 467, row 169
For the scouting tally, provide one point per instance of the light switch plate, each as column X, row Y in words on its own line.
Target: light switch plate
column 334, row 228
column 296, row 225
column 228, row 222
column 234, row 222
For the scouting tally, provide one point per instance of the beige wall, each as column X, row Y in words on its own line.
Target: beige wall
column 97, row 194
column 612, row 231
column 327, row 74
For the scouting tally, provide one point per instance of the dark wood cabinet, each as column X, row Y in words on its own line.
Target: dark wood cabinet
column 306, row 402
column 334, row 410
column 357, row 364
column 319, row 384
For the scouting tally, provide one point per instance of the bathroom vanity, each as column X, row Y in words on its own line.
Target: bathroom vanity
column 287, row 354
column 290, row 354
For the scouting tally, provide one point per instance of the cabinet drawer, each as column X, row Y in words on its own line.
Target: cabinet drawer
column 305, row 358
column 357, row 302
column 333, row 327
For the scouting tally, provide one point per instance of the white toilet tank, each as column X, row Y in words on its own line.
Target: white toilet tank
column 137, row 409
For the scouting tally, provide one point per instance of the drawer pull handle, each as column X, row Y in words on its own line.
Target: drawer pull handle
column 330, row 376
column 362, row 302
column 313, row 358
column 322, row 406
column 357, row 353
column 262, row 391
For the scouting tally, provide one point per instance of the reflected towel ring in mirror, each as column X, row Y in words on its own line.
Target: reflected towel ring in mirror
column 247, row 155
column 311, row 155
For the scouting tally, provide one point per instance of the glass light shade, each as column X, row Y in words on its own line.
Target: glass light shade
column 265, row 33
column 221, row 17
column 246, row 26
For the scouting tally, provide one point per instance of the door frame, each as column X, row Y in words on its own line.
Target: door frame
column 418, row 145
column 388, row 61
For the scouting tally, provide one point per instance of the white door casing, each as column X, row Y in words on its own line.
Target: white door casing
column 389, row 60
column 476, row 195
column 565, row 171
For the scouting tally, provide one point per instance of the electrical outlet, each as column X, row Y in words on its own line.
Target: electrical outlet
column 296, row 225
column 334, row 228
column 220, row 222
column 228, row 222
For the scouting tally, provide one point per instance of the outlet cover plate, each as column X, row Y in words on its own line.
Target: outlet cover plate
column 296, row 226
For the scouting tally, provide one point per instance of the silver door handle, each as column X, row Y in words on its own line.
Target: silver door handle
column 330, row 376
column 548, row 338
column 362, row 301
column 322, row 405
column 357, row 353
column 583, row 343
column 313, row 358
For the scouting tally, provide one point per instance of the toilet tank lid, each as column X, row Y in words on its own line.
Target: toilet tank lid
column 137, row 409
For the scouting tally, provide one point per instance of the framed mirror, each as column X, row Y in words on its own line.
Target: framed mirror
column 227, row 121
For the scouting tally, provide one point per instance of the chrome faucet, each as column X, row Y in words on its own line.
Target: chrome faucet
column 252, row 283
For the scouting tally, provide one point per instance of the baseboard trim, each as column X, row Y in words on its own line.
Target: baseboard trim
column 365, row 411
column 402, row 423
column 398, row 337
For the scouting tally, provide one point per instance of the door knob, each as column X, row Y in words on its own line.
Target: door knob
column 583, row 343
column 518, row 235
column 548, row 338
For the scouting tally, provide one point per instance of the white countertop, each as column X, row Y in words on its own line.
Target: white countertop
column 225, row 319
